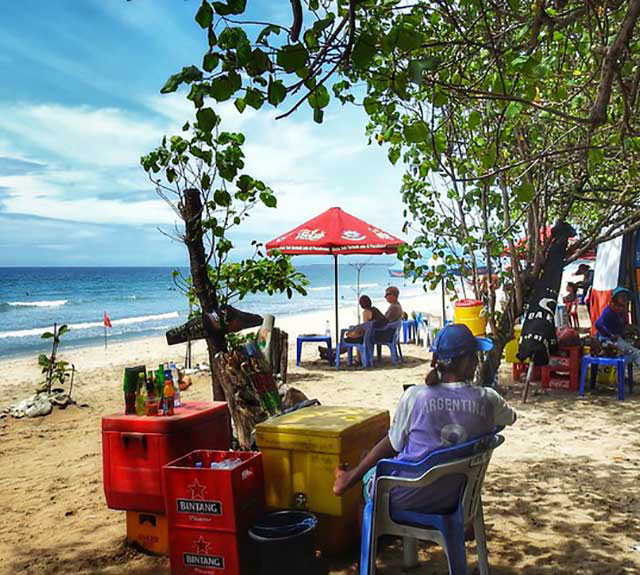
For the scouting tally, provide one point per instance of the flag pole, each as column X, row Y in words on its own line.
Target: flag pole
column 105, row 329
column 335, row 277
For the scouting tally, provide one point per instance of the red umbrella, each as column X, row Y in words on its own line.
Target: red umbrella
column 335, row 232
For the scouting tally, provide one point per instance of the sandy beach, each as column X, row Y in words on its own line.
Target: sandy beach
column 561, row 494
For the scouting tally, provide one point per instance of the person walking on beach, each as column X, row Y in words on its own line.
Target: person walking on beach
column 446, row 411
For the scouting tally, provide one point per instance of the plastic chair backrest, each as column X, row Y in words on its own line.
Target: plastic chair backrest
column 470, row 459
column 390, row 333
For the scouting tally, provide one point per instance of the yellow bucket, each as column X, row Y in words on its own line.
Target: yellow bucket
column 469, row 313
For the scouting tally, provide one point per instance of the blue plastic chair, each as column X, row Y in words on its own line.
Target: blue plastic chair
column 365, row 348
column 389, row 336
column 617, row 362
column 409, row 329
column 468, row 460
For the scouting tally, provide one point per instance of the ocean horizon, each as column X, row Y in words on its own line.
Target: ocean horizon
column 143, row 301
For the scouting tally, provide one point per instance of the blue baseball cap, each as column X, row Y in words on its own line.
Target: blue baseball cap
column 620, row 290
column 456, row 339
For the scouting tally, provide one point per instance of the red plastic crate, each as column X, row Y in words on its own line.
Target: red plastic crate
column 565, row 368
column 196, row 551
column 218, row 499
column 134, row 449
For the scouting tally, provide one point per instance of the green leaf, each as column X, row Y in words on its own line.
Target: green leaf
column 364, row 51
column 525, row 192
column 231, row 7
column 191, row 74
column 292, row 56
column 222, row 198
column 258, row 63
column 394, row 154
column 207, row 119
column 64, row 328
column 240, row 105
column 371, row 105
column 46, row 335
column 318, row 115
column 276, row 92
column 254, row 98
column 416, row 132
column 210, row 62
column 223, row 87
column 513, row 109
column 319, row 98
column 474, row 119
column 268, row 199
column 266, row 32
column 172, row 84
column 204, row 16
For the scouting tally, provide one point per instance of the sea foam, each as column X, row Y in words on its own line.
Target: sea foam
column 90, row 324
column 43, row 303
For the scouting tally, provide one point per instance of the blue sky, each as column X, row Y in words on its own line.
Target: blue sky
column 80, row 103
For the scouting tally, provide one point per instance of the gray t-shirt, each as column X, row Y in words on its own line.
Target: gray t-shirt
column 433, row 417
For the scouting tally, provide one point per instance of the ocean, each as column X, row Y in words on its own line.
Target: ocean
column 142, row 301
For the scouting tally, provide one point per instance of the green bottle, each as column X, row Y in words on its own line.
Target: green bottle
column 141, row 400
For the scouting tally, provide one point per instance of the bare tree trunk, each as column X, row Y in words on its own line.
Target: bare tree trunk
column 191, row 211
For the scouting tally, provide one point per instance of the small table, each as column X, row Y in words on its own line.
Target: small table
column 313, row 338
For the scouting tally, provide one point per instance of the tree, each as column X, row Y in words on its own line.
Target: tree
column 509, row 116
column 199, row 175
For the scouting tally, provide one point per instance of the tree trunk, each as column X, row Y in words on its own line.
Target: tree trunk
column 191, row 211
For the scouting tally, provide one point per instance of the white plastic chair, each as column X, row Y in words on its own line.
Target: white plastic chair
column 446, row 529
column 425, row 328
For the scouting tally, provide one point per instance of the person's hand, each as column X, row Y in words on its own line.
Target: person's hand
column 343, row 480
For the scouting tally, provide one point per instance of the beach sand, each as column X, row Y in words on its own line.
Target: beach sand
column 561, row 495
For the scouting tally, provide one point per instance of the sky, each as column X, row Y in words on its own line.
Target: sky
column 80, row 103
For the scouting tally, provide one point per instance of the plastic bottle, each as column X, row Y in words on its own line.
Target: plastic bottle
column 140, row 395
column 327, row 329
column 176, row 384
column 153, row 401
column 160, row 387
column 168, row 393
column 129, row 388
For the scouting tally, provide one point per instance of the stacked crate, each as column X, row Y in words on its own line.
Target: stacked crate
column 210, row 511
column 563, row 370
column 134, row 450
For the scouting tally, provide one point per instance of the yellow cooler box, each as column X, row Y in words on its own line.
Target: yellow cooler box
column 300, row 452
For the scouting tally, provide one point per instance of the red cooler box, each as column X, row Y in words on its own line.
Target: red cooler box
column 134, row 449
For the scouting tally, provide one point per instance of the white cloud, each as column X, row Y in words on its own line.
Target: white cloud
column 93, row 153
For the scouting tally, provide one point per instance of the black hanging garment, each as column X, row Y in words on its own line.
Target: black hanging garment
column 538, row 339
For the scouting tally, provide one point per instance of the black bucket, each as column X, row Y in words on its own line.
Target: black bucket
column 285, row 541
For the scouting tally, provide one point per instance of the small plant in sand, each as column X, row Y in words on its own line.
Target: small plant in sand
column 54, row 370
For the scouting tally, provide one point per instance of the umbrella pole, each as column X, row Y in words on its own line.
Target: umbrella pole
column 527, row 381
column 444, row 308
column 335, row 278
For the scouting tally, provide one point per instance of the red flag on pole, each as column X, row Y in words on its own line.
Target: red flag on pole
column 106, row 320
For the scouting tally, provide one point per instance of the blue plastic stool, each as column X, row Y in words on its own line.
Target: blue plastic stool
column 617, row 362
column 317, row 338
column 409, row 330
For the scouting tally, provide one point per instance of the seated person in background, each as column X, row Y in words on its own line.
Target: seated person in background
column 394, row 311
column 571, row 301
column 612, row 324
column 448, row 410
column 369, row 313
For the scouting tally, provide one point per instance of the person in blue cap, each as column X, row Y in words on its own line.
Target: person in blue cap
column 613, row 322
column 448, row 410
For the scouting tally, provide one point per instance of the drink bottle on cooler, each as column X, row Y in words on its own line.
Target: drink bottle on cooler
column 160, row 387
column 129, row 388
column 176, row 384
column 168, row 393
column 153, row 401
column 140, row 395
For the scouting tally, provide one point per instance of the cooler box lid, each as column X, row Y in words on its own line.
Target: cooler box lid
column 321, row 428
column 186, row 416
